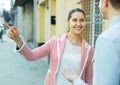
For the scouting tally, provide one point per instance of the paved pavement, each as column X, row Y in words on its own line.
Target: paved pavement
column 16, row 70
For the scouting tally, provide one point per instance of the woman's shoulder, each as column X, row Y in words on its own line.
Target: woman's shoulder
column 87, row 44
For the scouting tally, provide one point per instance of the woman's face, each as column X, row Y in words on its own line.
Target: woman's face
column 77, row 22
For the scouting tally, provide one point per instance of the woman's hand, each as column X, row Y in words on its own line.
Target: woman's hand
column 13, row 34
column 69, row 74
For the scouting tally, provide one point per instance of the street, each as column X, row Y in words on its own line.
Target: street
column 16, row 70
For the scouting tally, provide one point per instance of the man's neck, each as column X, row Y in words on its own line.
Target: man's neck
column 113, row 13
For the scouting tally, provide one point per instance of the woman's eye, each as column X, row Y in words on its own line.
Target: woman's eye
column 74, row 20
column 82, row 20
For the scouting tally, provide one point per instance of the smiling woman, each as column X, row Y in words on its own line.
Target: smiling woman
column 60, row 51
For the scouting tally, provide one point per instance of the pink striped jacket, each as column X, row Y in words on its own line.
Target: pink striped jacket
column 54, row 48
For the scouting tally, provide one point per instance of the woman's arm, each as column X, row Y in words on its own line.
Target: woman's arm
column 30, row 54
column 13, row 34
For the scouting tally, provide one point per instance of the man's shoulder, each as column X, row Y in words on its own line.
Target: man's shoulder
column 110, row 34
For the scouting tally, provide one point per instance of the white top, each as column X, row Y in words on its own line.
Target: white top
column 70, row 59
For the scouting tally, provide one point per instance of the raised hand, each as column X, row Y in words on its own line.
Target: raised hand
column 13, row 34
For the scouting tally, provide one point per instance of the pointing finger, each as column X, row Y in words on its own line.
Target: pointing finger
column 6, row 25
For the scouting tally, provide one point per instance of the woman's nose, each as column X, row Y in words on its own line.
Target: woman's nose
column 78, row 23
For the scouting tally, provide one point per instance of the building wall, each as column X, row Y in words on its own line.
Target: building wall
column 61, row 16
column 52, row 14
column 25, row 22
column 35, row 21
column 41, row 24
column 46, row 29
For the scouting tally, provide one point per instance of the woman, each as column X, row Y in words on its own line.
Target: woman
column 69, row 50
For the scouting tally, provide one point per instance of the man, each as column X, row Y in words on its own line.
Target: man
column 107, row 51
column 106, row 62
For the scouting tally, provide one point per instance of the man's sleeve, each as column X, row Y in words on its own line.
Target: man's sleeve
column 78, row 81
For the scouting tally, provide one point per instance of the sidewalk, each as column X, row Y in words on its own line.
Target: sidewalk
column 16, row 70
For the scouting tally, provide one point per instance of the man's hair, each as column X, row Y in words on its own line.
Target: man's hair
column 115, row 3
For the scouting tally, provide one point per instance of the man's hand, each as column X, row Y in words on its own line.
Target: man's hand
column 69, row 74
